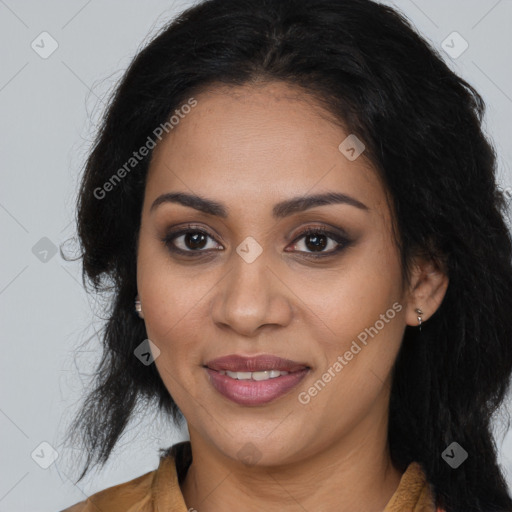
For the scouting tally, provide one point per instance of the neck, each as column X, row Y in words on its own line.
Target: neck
column 353, row 475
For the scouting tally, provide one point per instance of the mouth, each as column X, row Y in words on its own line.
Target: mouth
column 252, row 381
column 257, row 376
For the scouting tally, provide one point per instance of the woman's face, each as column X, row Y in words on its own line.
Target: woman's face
column 251, row 284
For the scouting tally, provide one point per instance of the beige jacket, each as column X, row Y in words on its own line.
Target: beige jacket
column 159, row 490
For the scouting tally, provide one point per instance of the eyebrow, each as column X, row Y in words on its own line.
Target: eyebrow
column 280, row 210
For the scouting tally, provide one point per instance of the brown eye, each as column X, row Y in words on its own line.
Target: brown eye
column 316, row 242
column 318, row 239
column 195, row 240
column 188, row 241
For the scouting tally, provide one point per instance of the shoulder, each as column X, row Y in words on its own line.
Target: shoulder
column 155, row 490
column 119, row 498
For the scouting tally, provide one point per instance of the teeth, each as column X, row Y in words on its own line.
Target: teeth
column 263, row 375
column 240, row 375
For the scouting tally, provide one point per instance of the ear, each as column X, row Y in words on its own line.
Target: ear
column 427, row 289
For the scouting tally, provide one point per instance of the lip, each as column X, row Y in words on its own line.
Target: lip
column 239, row 363
column 251, row 392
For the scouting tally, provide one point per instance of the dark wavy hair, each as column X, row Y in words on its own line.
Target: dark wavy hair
column 422, row 127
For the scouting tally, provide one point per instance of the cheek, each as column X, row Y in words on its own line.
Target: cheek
column 169, row 295
column 169, row 302
column 364, row 288
column 172, row 324
column 172, row 317
column 365, row 311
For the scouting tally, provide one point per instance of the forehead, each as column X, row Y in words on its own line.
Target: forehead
column 254, row 144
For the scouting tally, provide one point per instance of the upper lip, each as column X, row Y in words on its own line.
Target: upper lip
column 239, row 363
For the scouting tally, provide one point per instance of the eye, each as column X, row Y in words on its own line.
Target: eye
column 190, row 240
column 317, row 239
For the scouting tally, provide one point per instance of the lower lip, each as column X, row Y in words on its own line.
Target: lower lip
column 254, row 392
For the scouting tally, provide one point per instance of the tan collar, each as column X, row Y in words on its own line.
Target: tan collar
column 413, row 493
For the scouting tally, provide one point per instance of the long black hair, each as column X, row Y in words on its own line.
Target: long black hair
column 421, row 125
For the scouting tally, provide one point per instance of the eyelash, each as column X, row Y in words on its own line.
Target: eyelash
column 343, row 242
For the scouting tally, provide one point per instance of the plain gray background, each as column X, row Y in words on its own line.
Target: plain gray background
column 50, row 109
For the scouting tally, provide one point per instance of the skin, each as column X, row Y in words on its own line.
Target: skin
column 250, row 147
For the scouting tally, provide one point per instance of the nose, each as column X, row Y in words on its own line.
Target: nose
column 252, row 295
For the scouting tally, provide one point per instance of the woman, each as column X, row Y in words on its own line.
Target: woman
column 299, row 198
